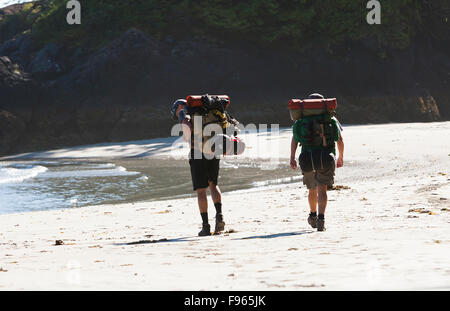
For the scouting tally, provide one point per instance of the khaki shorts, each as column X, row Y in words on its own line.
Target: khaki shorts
column 319, row 177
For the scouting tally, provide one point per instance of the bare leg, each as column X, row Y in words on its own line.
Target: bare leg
column 215, row 193
column 202, row 200
column 312, row 199
column 323, row 198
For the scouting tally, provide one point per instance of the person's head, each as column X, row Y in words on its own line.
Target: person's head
column 176, row 106
column 316, row 96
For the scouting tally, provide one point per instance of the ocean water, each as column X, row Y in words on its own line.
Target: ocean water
column 45, row 185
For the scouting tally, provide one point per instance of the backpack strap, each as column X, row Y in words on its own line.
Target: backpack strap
column 231, row 119
column 321, row 158
column 312, row 160
column 301, row 109
column 325, row 110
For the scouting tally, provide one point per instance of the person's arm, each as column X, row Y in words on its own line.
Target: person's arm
column 186, row 124
column 179, row 113
column 294, row 146
column 340, row 145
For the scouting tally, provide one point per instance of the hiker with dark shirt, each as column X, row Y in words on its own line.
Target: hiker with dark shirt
column 204, row 167
column 318, row 136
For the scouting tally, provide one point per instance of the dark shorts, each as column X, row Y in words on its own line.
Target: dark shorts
column 318, row 169
column 204, row 171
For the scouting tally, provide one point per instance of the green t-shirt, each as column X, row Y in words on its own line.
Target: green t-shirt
column 336, row 130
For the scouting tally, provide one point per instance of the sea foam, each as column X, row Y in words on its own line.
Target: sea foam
column 10, row 175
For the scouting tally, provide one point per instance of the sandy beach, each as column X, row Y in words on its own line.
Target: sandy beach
column 388, row 226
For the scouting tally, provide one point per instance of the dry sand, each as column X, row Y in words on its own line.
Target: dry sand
column 388, row 228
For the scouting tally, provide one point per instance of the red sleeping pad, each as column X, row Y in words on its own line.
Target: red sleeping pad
column 309, row 107
column 196, row 100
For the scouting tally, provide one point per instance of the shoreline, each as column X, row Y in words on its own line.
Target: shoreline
column 136, row 149
column 389, row 230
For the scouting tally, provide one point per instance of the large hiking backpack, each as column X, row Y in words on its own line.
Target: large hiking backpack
column 314, row 132
column 212, row 109
column 314, row 127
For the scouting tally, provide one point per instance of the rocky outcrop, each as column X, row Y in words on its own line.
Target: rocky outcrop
column 10, row 74
column 45, row 65
column 18, row 49
column 16, row 87
column 12, row 129
column 13, row 28
column 123, row 90
column 123, row 59
column 427, row 107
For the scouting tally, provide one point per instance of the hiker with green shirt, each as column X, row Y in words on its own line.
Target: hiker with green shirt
column 317, row 131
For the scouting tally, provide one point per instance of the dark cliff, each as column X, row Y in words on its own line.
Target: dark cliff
column 55, row 93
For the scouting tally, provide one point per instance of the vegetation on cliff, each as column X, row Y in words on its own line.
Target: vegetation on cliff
column 294, row 23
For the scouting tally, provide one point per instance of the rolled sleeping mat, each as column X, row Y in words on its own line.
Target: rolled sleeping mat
column 196, row 101
column 300, row 108
column 225, row 145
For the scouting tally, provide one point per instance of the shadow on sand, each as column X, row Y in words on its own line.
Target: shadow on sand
column 184, row 239
column 276, row 235
column 196, row 238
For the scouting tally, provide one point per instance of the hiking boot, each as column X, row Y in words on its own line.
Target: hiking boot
column 312, row 221
column 206, row 230
column 220, row 224
column 321, row 225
